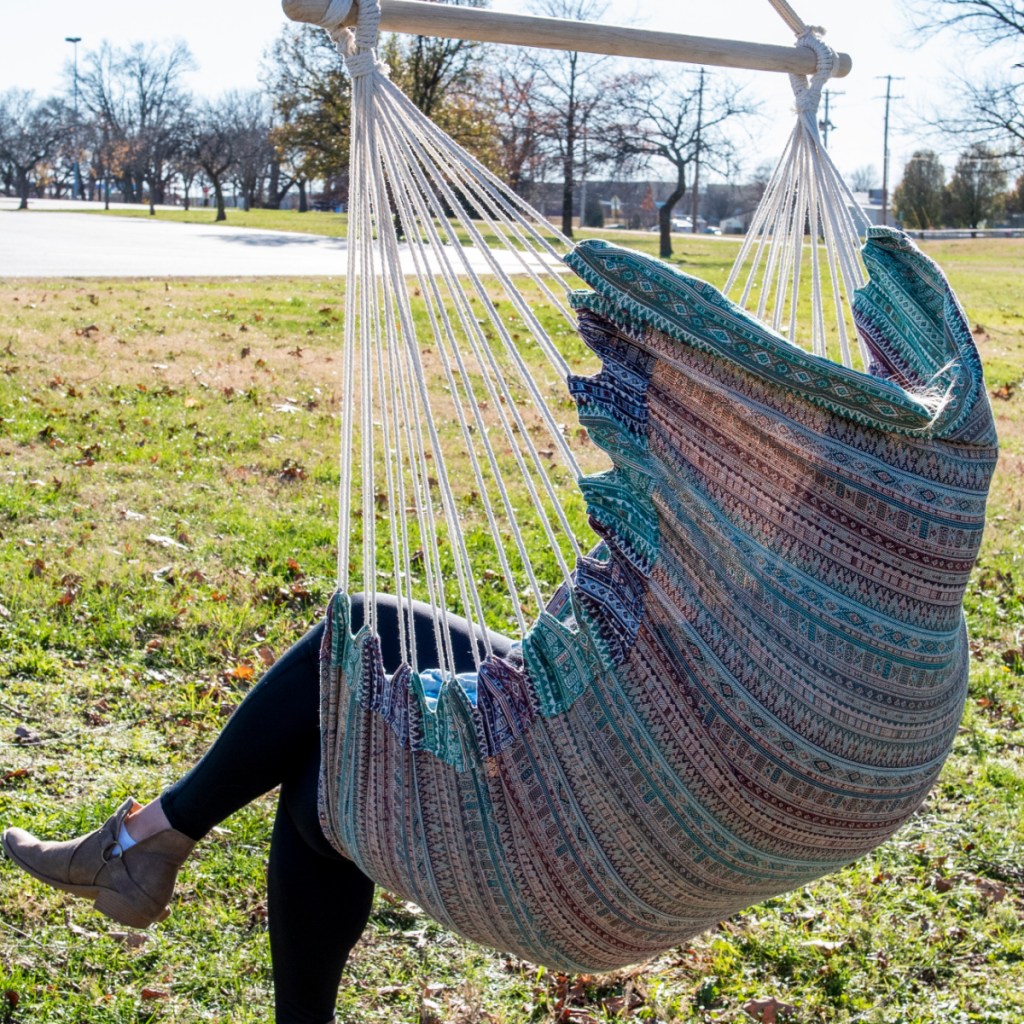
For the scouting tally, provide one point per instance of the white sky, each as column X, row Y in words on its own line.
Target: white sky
column 229, row 37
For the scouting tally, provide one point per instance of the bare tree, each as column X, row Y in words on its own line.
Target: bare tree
column 254, row 149
column 30, row 135
column 992, row 113
column 988, row 21
column 864, row 178
column 990, row 110
column 682, row 122
column 512, row 94
column 571, row 99
column 212, row 143
column 137, row 95
column 187, row 169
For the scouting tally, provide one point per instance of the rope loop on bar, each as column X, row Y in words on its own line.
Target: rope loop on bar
column 807, row 90
column 367, row 24
column 357, row 46
column 337, row 12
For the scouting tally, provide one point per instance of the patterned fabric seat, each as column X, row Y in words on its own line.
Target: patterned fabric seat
column 754, row 682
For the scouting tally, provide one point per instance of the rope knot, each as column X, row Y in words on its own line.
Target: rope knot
column 357, row 46
column 365, row 63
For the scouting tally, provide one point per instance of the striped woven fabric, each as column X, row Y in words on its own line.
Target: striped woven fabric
column 755, row 681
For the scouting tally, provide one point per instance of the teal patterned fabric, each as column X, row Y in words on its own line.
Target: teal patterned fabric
column 756, row 679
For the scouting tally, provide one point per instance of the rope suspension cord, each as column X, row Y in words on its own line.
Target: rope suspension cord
column 412, row 458
column 806, row 198
column 396, row 442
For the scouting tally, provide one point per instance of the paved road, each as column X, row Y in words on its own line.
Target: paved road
column 62, row 244
column 57, row 244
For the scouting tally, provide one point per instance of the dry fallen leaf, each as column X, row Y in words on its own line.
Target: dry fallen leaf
column 154, row 993
column 769, row 1010
column 993, row 891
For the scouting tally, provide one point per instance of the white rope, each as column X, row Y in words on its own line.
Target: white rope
column 439, row 397
column 483, row 353
column 805, row 197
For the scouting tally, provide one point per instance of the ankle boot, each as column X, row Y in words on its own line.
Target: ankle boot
column 132, row 886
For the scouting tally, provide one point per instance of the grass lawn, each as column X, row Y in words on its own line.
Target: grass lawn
column 168, row 471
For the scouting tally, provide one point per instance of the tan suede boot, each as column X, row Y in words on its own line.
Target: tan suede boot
column 132, row 886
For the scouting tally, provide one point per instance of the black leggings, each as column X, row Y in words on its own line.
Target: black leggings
column 318, row 901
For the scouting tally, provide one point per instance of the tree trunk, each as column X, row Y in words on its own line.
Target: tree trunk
column 219, row 193
column 567, row 196
column 303, row 198
column 273, row 198
column 568, row 182
column 23, row 191
column 665, row 217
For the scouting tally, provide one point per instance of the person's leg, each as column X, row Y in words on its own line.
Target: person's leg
column 318, row 905
column 318, row 901
column 279, row 719
column 272, row 738
column 270, row 731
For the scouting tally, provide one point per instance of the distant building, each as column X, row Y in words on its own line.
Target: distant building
column 622, row 201
column 871, row 203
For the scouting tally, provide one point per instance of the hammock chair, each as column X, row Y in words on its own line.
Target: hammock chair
column 757, row 673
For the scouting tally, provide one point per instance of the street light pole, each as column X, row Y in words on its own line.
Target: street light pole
column 77, row 171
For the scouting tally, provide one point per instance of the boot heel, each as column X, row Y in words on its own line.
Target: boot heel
column 125, row 911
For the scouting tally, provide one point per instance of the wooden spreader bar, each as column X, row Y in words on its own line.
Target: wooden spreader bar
column 480, row 25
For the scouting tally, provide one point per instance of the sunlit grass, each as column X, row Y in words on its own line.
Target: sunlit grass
column 168, row 480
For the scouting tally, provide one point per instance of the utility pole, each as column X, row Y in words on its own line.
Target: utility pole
column 76, row 188
column 825, row 125
column 889, row 79
column 695, row 209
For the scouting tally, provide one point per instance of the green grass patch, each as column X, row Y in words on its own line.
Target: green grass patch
column 312, row 222
column 165, row 528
